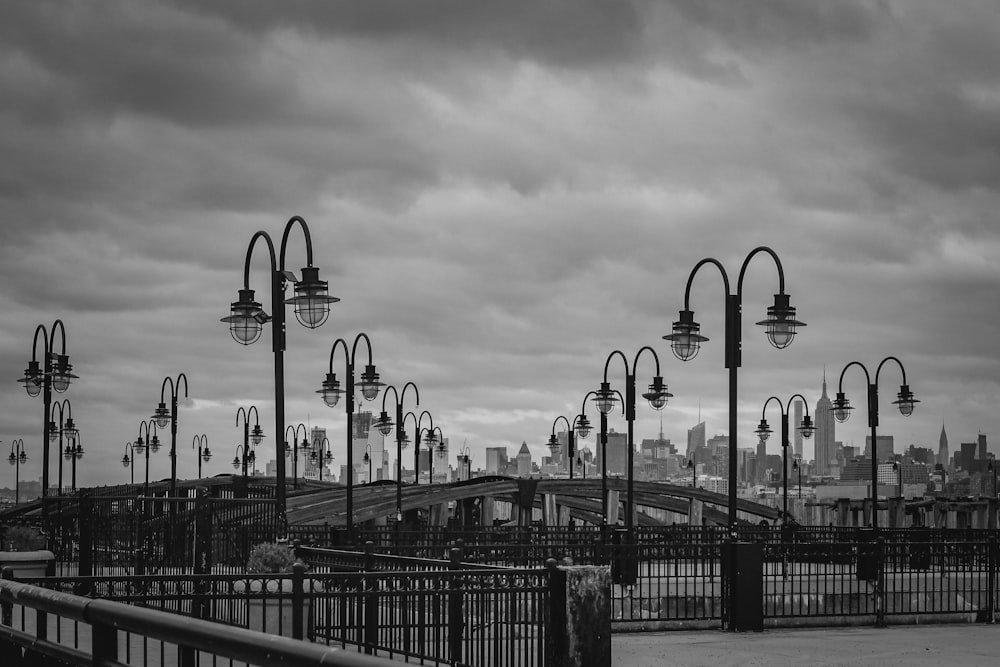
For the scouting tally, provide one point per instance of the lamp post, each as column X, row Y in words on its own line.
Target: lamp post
column 764, row 432
column 897, row 467
column 580, row 426
column 368, row 461
column 324, row 458
column 250, row 438
column 163, row 416
column 797, row 467
column 73, row 453
column 418, row 429
column 151, row 443
column 127, row 460
column 58, row 428
column 293, row 449
column 431, row 439
column 17, row 458
column 657, row 396
column 204, row 453
column 780, row 324
column 245, row 456
column 331, row 392
column 842, row 412
column 54, row 373
column 312, row 308
column 385, row 425
column 614, row 395
column 582, row 465
column 694, row 473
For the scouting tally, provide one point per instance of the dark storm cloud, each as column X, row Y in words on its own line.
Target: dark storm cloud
column 553, row 32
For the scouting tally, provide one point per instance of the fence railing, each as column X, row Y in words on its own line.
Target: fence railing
column 39, row 626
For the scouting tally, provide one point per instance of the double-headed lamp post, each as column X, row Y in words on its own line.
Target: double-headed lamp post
column 385, row 424
column 245, row 457
column 145, row 445
column 54, row 373
column 204, row 453
column 603, row 438
column 164, row 416
column 418, row 429
column 797, row 466
column 17, row 458
column 434, row 436
column 780, row 325
column 842, row 411
column 323, row 457
column 694, row 473
column 764, row 432
column 127, row 461
column 331, row 392
column 63, row 426
column 73, row 452
column 312, row 308
column 605, row 399
column 580, row 426
column 294, row 448
column 250, row 438
column 368, row 462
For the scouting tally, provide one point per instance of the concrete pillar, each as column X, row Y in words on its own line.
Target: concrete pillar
column 563, row 515
column 843, row 512
column 487, row 510
column 581, row 616
column 940, row 515
column 549, row 515
column 439, row 515
column 695, row 508
column 991, row 514
column 867, row 507
column 612, row 507
column 897, row 513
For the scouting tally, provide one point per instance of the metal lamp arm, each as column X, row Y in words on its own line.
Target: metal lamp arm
column 305, row 232
column 746, row 263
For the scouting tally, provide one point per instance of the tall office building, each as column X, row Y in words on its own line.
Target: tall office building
column 496, row 460
column 524, row 461
column 797, row 437
column 617, row 452
column 885, row 447
column 760, row 476
column 696, row 439
column 942, row 456
column 825, row 453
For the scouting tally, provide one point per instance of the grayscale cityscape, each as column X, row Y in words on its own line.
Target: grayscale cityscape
column 536, row 334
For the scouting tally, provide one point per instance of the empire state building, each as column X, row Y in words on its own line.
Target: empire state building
column 825, row 434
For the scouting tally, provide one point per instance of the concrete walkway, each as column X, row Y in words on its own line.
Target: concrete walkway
column 895, row 646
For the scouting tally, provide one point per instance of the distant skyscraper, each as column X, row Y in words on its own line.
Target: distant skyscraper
column 825, row 433
column 761, row 472
column 696, row 439
column 942, row 456
column 884, row 449
column 797, row 438
column 524, row 461
column 496, row 460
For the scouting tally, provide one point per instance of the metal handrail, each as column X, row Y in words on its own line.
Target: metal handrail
column 236, row 643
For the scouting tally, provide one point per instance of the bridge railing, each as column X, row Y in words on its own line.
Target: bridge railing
column 43, row 626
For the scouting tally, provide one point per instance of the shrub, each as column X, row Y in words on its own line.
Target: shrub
column 23, row 538
column 270, row 557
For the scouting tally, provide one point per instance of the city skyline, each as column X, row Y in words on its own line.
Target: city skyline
column 499, row 199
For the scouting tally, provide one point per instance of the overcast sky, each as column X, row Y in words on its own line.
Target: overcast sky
column 500, row 194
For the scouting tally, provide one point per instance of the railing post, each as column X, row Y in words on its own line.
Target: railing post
column 556, row 646
column 7, row 608
column 456, row 620
column 370, row 600
column 86, row 555
column 104, row 644
column 991, row 576
column 298, row 599
column 880, row 593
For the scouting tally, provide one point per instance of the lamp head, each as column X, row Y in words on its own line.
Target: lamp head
column 245, row 318
column 161, row 415
column 554, row 443
column 126, row 461
column 685, row 340
column 383, row 423
column 657, row 394
column 605, row 399
column 841, row 407
column 369, row 384
column 311, row 301
column 780, row 324
column 256, row 434
column 905, row 400
column 763, row 430
column 807, row 428
column 62, row 373
column 331, row 390
column 583, row 426
column 32, row 379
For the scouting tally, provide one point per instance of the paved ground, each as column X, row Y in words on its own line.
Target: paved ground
column 895, row 646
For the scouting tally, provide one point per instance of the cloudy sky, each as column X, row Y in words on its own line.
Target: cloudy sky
column 501, row 194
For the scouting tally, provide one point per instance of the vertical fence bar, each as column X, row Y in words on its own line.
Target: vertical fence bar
column 557, row 640
column 456, row 619
column 370, row 600
column 298, row 599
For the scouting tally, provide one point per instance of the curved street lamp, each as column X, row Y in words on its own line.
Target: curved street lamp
column 367, row 461
column 431, row 439
column 763, row 431
column 418, row 429
column 204, row 453
column 293, row 449
column 54, row 373
column 605, row 399
column 580, row 426
column 164, row 416
column 127, row 461
column 312, row 308
column 842, row 411
column 250, row 438
column 324, row 458
column 17, row 458
column 385, row 425
column 73, row 452
column 797, row 467
column 780, row 326
column 693, row 467
column 145, row 445
column 612, row 398
column 58, row 428
column 331, row 392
